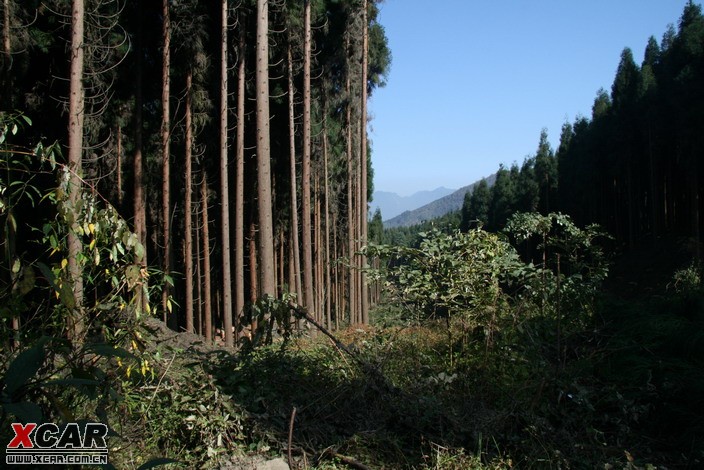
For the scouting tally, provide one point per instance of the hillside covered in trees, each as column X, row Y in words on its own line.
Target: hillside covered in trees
column 437, row 208
column 634, row 165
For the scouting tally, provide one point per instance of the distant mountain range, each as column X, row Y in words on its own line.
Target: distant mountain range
column 391, row 204
column 436, row 208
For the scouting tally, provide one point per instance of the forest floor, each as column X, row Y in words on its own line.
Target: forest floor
column 626, row 394
column 406, row 402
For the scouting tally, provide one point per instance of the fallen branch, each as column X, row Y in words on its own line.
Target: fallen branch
column 300, row 312
column 367, row 367
column 290, row 436
column 330, row 453
column 350, row 462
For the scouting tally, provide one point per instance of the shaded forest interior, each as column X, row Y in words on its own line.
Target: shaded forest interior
column 171, row 137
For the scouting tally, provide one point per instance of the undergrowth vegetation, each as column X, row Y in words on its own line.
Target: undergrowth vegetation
column 518, row 380
column 490, row 351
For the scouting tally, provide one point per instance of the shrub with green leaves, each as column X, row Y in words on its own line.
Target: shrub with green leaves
column 45, row 374
column 451, row 274
column 570, row 265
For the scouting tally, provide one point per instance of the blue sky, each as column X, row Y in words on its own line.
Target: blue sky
column 473, row 82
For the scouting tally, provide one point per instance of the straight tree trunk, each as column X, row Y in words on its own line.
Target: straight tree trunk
column 8, row 101
column 224, row 184
column 188, row 203
column 358, row 227
column 6, row 38
column 291, row 268
column 166, row 152
column 139, row 206
column 337, row 284
column 328, row 228
column 364, row 295
column 6, row 64
column 266, row 233
column 198, row 279
column 280, row 265
column 239, row 185
column 351, row 220
column 308, row 299
column 296, row 255
column 253, row 281
column 119, row 166
column 76, row 112
column 318, row 251
column 207, row 300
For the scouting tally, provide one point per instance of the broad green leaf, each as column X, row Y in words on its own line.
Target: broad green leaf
column 24, row 367
column 138, row 250
column 72, row 381
column 108, row 350
column 48, row 274
column 25, row 411
column 66, row 295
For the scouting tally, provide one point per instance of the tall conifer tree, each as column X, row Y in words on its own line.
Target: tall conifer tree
column 224, row 181
column 264, row 199
column 76, row 112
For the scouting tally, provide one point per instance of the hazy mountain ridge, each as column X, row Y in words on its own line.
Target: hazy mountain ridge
column 436, row 208
column 392, row 204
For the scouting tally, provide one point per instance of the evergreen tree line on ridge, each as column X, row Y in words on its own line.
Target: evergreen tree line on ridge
column 635, row 166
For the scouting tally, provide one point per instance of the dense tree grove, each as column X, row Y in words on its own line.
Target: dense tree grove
column 634, row 166
column 207, row 163
column 231, row 134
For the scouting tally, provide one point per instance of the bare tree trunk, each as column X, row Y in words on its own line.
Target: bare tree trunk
column 338, row 279
column 6, row 63
column 6, row 43
column 296, row 255
column 198, row 279
column 280, row 265
column 308, row 300
column 327, row 218
column 291, row 268
column 318, row 251
column 119, row 166
column 364, row 295
column 266, row 233
column 188, row 224
column 224, row 185
column 351, row 200
column 75, row 153
column 239, row 185
column 253, row 283
column 357, row 217
column 207, row 300
column 140, row 213
column 166, row 152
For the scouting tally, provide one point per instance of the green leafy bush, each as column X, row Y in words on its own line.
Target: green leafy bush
column 448, row 274
column 46, row 374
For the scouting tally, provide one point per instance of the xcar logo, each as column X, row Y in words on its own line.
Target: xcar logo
column 50, row 444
